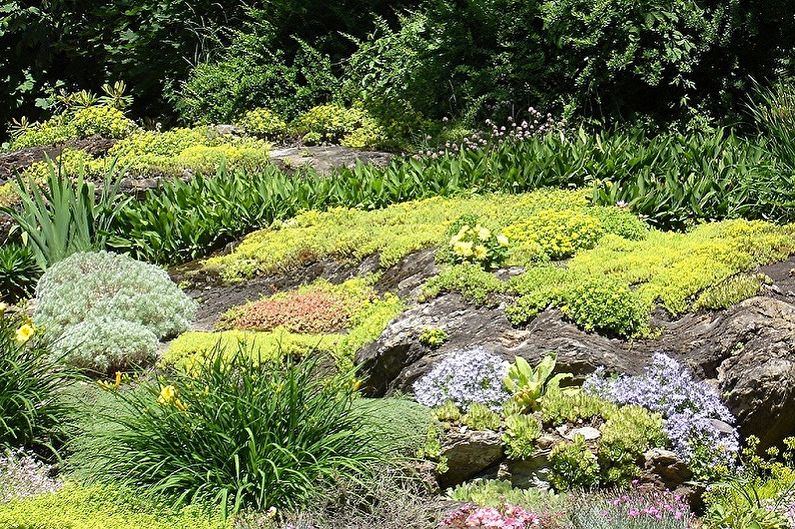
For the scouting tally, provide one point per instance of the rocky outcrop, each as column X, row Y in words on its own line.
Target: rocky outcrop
column 325, row 158
column 480, row 454
column 12, row 163
column 747, row 351
column 468, row 454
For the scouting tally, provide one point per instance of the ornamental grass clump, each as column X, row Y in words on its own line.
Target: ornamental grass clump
column 469, row 377
column 692, row 409
column 33, row 413
column 236, row 431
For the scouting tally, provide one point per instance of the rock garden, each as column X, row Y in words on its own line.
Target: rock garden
column 338, row 271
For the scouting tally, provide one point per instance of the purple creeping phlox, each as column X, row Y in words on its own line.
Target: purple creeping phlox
column 22, row 476
column 507, row 517
column 695, row 417
column 465, row 378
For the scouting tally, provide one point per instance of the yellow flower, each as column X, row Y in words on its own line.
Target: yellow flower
column 3, row 308
column 118, row 379
column 464, row 249
column 24, row 333
column 502, row 240
column 180, row 405
column 456, row 238
column 484, row 233
column 480, row 252
column 167, row 394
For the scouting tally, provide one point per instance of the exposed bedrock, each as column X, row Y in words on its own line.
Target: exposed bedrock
column 746, row 351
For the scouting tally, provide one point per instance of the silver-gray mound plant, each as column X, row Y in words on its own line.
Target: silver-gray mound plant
column 107, row 311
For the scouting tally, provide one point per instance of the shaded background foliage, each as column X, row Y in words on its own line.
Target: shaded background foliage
column 208, row 60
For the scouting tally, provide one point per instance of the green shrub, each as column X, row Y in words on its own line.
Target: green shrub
column 100, row 507
column 621, row 51
column 521, row 433
column 272, row 433
column 264, row 123
column 332, row 123
column 19, row 272
column 573, row 465
column 117, row 293
column 252, row 74
column 102, row 120
column 34, row 413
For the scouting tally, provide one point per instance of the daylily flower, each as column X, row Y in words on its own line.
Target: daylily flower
column 25, row 333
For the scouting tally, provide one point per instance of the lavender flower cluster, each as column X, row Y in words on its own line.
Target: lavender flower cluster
column 22, row 475
column 695, row 417
column 534, row 124
column 465, row 378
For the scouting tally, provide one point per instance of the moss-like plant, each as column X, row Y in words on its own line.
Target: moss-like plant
column 521, row 433
column 296, row 335
column 99, row 507
column 570, row 407
column 732, row 291
column 573, row 465
column 480, row 417
column 433, row 337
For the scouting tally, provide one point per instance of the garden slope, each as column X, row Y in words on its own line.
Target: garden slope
column 719, row 297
